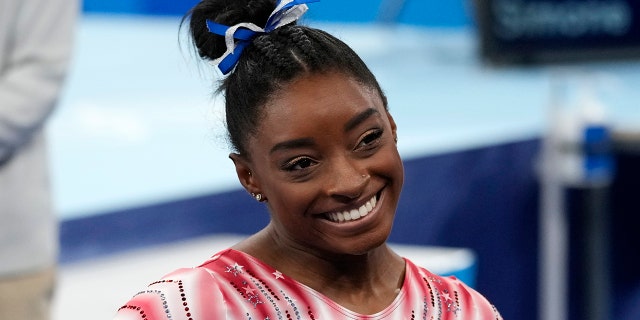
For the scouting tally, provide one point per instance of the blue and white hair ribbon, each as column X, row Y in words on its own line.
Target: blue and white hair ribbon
column 238, row 36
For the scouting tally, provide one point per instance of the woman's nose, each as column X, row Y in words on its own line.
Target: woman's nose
column 347, row 181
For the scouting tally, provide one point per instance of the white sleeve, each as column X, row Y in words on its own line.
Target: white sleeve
column 34, row 59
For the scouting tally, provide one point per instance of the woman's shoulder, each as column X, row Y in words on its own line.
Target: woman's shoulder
column 178, row 295
column 452, row 295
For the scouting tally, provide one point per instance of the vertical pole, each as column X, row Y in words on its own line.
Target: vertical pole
column 553, row 242
column 553, row 253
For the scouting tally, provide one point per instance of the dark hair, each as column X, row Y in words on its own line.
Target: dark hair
column 270, row 62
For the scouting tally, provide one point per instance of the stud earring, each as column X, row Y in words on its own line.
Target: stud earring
column 257, row 196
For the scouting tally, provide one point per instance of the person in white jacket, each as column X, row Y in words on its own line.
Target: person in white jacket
column 36, row 41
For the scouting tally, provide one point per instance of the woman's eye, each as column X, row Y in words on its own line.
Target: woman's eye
column 299, row 163
column 370, row 138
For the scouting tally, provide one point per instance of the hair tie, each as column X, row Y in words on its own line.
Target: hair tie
column 238, row 36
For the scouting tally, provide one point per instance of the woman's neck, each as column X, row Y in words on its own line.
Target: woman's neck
column 364, row 283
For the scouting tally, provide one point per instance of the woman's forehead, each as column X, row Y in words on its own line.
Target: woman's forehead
column 321, row 94
column 315, row 105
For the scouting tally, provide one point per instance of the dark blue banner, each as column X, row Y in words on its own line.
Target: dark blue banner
column 538, row 31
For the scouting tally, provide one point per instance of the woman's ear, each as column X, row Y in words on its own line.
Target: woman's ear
column 394, row 128
column 245, row 176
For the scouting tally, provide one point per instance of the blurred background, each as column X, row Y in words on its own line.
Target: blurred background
column 518, row 121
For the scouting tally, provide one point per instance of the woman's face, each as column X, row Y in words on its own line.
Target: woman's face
column 325, row 159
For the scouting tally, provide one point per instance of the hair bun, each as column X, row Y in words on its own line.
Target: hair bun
column 226, row 12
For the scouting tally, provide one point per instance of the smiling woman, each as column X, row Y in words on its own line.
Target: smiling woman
column 314, row 141
column 336, row 154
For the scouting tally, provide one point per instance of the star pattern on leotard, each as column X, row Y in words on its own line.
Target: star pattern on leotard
column 452, row 306
column 248, row 290
column 278, row 275
column 254, row 299
column 235, row 269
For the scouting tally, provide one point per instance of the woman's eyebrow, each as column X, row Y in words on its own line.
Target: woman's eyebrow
column 359, row 118
column 292, row 144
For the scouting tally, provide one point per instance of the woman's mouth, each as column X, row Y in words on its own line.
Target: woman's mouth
column 353, row 214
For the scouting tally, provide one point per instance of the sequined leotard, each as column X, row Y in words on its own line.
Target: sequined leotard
column 235, row 285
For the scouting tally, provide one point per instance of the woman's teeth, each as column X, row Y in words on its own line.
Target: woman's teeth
column 353, row 214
